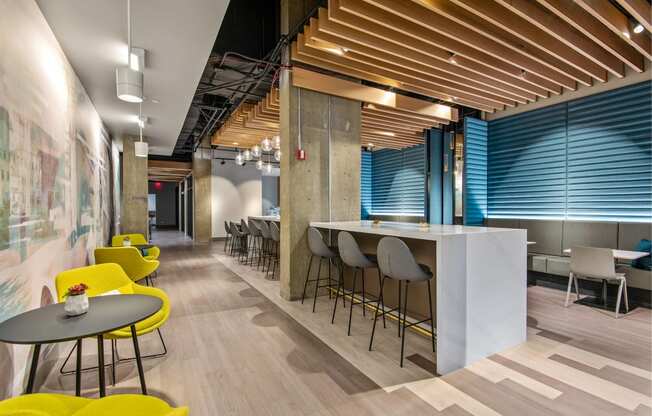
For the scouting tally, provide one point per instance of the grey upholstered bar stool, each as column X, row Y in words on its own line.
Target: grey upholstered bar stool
column 255, row 241
column 318, row 248
column 352, row 256
column 244, row 230
column 236, row 238
column 396, row 261
column 229, row 236
column 275, row 233
column 266, row 238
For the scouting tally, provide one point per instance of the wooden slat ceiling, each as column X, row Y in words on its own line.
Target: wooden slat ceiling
column 485, row 54
column 384, row 127
column 167, row 171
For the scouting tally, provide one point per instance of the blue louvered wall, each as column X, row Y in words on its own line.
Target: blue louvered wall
column 590, row 158
column 475, row 171
column 365, row 185
column 397, row 181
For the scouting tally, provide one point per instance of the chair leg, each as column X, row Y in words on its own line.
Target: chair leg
column 314, row 301
column 619, row 297
column 399, row 308
column 432, row 320
column 305, row 284
column 568, row 290
column 378, row 304
column 382, row 305
column 330, row 279
column 364, row 301
column 113, row 346
column 355, row 277
column 407, row 286
column 625, row 293
column 340, row 285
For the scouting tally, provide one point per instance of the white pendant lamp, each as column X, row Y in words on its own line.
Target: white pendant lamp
column 141, row 149
column 247, row 155
column 129, row 82
column 277, row 155
column 259, row 165
column 266, row 145
column 268, row 168
column 277, row 142
column 239, row 159
column 255, row 151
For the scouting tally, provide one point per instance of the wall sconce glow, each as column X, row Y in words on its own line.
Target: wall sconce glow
column 141, row 149
column 639, row 28
column 129, row 84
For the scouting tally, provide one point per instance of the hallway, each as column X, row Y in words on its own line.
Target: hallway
column 233, row 351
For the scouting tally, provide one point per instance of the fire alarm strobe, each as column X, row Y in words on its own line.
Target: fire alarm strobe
column 301, row 154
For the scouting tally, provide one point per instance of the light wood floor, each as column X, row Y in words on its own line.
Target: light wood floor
column 237, row 348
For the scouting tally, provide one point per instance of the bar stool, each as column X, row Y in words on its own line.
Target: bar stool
column 275, row 242
column 255, row 241
column 266, row 235
column 236, row 243
column 352, row 256
column 318, row 248
column 397, row 262
column 244, row 231
column 229, row 236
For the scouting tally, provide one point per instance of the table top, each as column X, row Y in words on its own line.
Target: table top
column 265, row 218
column 50, row 323
column 622, row 254
column 431, row 232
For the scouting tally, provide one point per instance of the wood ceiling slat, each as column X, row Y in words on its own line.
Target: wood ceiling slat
column 402, row 12
column 410, row 76
column 373, row 35
column 580, row 20
column 381, row 109
column 618, row 23
column 462, row 50
column 510, row 30
column 329, row 60
column 437, row 67
column 640, row 10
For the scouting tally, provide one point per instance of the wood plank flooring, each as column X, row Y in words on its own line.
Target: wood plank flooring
column 237, row 348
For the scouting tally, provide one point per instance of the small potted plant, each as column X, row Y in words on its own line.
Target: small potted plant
column 126, row 242
column 76, row 300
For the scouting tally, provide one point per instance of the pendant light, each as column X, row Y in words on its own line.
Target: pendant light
column 255, row 151
column 277, row 155
column 239, row 159
column 141, row 149
column 259, row 165
column 268, row 168
column 129, row 82
column 266, row 145
column 247, row 155
column 277, row 142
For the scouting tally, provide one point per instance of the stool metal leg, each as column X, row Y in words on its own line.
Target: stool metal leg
column 399, row 308
column 78, row 368
column 355, row 277
column 364, row 302
column 380, row 284
column 305, row 284
column 314, row 301
column 340, row 285
column 432, row 321
column 380, row 300
column 407, row 285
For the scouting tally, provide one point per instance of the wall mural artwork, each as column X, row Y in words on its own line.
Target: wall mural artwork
column 56, row 173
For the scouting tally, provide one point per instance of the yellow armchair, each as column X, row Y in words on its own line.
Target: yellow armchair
column 153, row 253
column 106, row 277
column 129, row 258
column 47, row 404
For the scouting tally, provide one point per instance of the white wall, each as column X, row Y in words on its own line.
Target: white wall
column 236, row 193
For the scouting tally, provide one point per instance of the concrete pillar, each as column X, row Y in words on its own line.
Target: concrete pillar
column 201, row 175
column 134, row 190
column 325, row 186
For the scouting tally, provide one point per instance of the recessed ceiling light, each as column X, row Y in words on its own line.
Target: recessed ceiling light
column 626, row 34
column 638, row 28
column 235, row 143
column 452, row 59
column 523, row 74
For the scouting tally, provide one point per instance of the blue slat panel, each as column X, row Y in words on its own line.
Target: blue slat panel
column 475, row 171
column 365, row 185
column 436, row 196
column 398, row 181
column 527, row 165
column 448, row 187
column 610, row 155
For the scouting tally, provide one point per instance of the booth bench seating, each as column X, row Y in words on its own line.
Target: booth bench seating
column 552, row 237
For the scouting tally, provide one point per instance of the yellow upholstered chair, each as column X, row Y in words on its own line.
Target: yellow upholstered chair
column 153, row 253
column 103, row 278
column 129, row 258
column 47, row 404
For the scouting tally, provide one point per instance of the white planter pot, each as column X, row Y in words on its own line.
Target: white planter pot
column 126, row 243
column 76, row 305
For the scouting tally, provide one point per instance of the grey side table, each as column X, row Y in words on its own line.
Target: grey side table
column 50, row 324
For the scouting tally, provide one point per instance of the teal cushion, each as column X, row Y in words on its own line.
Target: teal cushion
column 643, row 263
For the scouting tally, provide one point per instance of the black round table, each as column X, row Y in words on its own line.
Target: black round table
column 50, row 324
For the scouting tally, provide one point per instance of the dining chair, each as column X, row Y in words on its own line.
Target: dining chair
column 129, row 258
column 595, row 263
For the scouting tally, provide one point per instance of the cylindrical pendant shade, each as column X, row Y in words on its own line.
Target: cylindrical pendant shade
column 141, row 149
column 129, row 84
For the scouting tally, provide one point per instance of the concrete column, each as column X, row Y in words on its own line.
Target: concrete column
column 134, row 190
column 201, row 175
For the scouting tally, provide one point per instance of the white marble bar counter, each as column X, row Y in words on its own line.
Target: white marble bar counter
column 265, row 218
column 481, row 285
